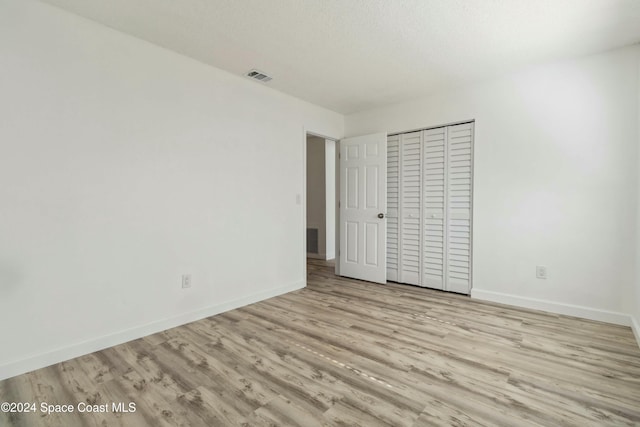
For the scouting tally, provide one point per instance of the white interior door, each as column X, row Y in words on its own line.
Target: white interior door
column 363, row 204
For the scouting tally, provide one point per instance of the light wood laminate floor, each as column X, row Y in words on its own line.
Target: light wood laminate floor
column 343, row 352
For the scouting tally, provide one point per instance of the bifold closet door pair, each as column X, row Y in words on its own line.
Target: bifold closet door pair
column 429, row 207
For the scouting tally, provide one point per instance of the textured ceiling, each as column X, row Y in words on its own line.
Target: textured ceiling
column 351, row 55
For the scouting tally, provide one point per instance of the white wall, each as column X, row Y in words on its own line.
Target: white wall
column 635, row 313
column 330, row 197
column 316, row 203
column 123, row 166
column 555, row 180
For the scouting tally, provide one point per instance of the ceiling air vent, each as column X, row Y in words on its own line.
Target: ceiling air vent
column 258, row 75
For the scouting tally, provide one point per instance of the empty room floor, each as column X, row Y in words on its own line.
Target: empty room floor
column 346, row 352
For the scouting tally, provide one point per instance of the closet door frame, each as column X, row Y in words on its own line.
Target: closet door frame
column 446, row 207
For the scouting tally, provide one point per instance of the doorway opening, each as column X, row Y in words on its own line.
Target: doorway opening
column 321, row 159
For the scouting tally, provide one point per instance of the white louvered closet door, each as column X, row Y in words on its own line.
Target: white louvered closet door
column 393, row 197
column 429, row 220
column 410, row 208
column 434, row 203
column 459, row 205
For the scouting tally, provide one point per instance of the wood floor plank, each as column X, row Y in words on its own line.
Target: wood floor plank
column 344, row 352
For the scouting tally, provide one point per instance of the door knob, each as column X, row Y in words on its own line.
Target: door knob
column 380, row 215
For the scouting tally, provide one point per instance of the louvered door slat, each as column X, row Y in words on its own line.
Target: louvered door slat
column 393, row 200
column 459, row 208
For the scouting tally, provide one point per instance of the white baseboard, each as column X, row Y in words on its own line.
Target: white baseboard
column 554, row 307
column 326, row 257
column 316, row 256
column 635, row 327
column 80, row 349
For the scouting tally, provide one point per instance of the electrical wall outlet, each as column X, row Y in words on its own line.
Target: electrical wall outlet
column 541, row 272
column 186, row 281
